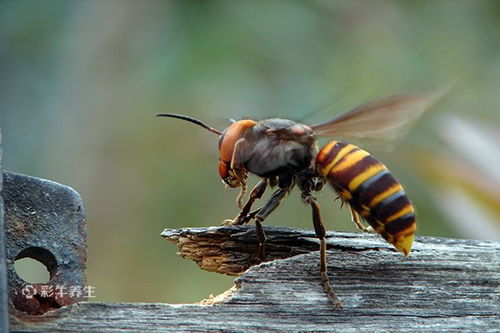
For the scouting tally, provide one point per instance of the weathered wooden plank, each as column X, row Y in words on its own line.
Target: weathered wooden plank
column 444, row 285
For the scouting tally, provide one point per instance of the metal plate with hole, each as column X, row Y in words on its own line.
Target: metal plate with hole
column 44, row 221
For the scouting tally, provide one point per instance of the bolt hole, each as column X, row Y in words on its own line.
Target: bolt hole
column 35, row 265
column 31, row 270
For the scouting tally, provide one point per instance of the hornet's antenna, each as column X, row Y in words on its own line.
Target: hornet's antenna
column 191, row 120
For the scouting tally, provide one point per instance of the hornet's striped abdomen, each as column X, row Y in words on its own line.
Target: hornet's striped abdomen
column 371, row 190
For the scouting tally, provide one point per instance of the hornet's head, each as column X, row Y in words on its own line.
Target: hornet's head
column 231, row 148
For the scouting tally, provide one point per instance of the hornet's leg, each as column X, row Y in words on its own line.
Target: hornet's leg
column 256, row 193
column 285, row 184
column 319, row 228
column 357, row 222
column 264, row 212
column 250, row 216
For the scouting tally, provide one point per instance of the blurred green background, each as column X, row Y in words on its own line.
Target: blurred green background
column 81, row 81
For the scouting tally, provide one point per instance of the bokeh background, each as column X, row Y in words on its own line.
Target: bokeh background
column 81, row 81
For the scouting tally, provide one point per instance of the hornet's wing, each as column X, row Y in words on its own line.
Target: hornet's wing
column 385, row 118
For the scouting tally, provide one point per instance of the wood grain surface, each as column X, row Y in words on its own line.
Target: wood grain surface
column 446, row 284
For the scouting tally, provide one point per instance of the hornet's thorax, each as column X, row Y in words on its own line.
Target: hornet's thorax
column 267, row 148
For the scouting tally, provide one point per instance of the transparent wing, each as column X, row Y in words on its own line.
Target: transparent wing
column 385, row 118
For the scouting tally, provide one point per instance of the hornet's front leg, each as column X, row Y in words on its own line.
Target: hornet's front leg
column 245, row 215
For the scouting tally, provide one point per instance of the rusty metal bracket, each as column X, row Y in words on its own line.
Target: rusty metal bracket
column 44, row 221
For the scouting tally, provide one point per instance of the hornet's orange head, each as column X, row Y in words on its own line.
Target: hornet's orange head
column 231, row 171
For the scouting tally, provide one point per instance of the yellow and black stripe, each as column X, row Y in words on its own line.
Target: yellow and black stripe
column 371, row 190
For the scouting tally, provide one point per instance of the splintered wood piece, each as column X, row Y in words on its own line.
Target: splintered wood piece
column 232, row 250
